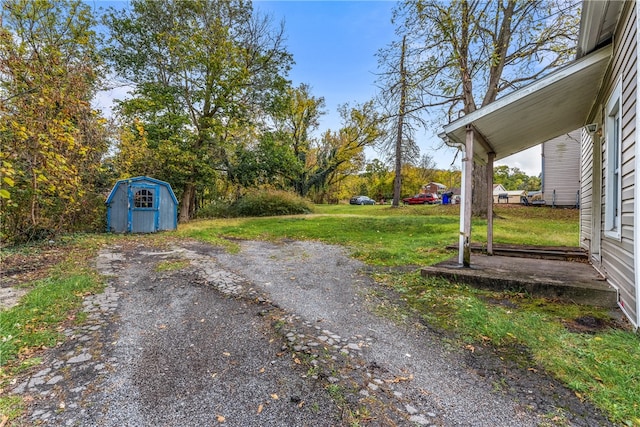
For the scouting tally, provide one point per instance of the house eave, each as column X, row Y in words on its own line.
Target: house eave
column 553, row 105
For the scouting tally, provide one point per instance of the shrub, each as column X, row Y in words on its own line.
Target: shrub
column 215, row 209
column 258, row 203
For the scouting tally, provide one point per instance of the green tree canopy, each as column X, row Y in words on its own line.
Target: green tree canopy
column 204, row 73
column 52, row 141
column 515, row 179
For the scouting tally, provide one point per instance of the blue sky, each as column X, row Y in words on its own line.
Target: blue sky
column 333, row 43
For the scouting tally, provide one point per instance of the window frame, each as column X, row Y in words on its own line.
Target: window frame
column 613, row 164
column 150, row 193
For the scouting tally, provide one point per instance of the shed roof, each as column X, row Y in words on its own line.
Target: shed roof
column 138, row 179
column 545, row 109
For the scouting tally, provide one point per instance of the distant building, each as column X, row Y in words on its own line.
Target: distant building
column 434, row 187
column 498, row 188
column 561, row 170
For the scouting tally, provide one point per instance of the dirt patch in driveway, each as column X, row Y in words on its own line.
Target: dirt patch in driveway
column 279, row 334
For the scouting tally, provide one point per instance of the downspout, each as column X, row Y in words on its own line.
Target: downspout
column 542, row 188
column 463, row 192
column 636, row 220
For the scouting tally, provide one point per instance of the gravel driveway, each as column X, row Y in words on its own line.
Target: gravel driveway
column 278, row 334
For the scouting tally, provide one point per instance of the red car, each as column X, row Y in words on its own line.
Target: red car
column 422, row 199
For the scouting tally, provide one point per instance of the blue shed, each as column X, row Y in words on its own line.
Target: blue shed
column 141, row 205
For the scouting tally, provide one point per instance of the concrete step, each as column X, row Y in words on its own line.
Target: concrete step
column 562, row 253
column 576, row 282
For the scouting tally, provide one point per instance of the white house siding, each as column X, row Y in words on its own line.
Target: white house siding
column 561, row 170
column 617, row 254
column 586, row 190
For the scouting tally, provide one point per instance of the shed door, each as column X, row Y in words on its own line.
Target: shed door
column 143, row 208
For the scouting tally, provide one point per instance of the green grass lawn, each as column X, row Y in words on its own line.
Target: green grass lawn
column 602, row 367
column 407, row 235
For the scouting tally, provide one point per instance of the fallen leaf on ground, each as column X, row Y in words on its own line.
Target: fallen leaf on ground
column 398, row 379
column 221, row 419
column 261, row 370
column 274, row 396
column 226, row 354
column 260, row 408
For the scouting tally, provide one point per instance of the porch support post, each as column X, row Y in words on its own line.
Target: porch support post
column 490, row 157
column 462, row 204
column 466, row 200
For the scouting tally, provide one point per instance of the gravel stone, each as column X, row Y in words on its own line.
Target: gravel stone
column 231, row 340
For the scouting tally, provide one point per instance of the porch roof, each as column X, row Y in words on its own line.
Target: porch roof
column 551, row 106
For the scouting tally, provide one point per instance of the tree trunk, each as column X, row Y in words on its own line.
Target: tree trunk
column 480, row 191
column 397, row 182
column 187, row 204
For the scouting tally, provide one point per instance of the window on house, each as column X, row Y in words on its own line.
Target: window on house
column 613, row 164
column 143, row 198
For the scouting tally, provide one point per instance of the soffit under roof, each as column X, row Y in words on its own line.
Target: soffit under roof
column 553, row 105
column 598, row 23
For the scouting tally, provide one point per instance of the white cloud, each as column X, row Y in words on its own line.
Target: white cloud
column 529, row 161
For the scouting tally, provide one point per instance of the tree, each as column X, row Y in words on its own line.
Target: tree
column 52, row 141
column 401, row 100
column 271, row 162
column 452, row 178
column 204, row 72
column 470, row 51
column 428, row 168
column 379, row 180
column 295, row 123
column 341, row 153
column 324, row 161
column 515, row 179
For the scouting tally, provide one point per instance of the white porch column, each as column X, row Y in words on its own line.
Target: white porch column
column 465, row 209
column 490, row 157
column 462, row 204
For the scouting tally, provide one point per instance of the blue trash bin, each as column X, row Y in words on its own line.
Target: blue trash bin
column 445, row 199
